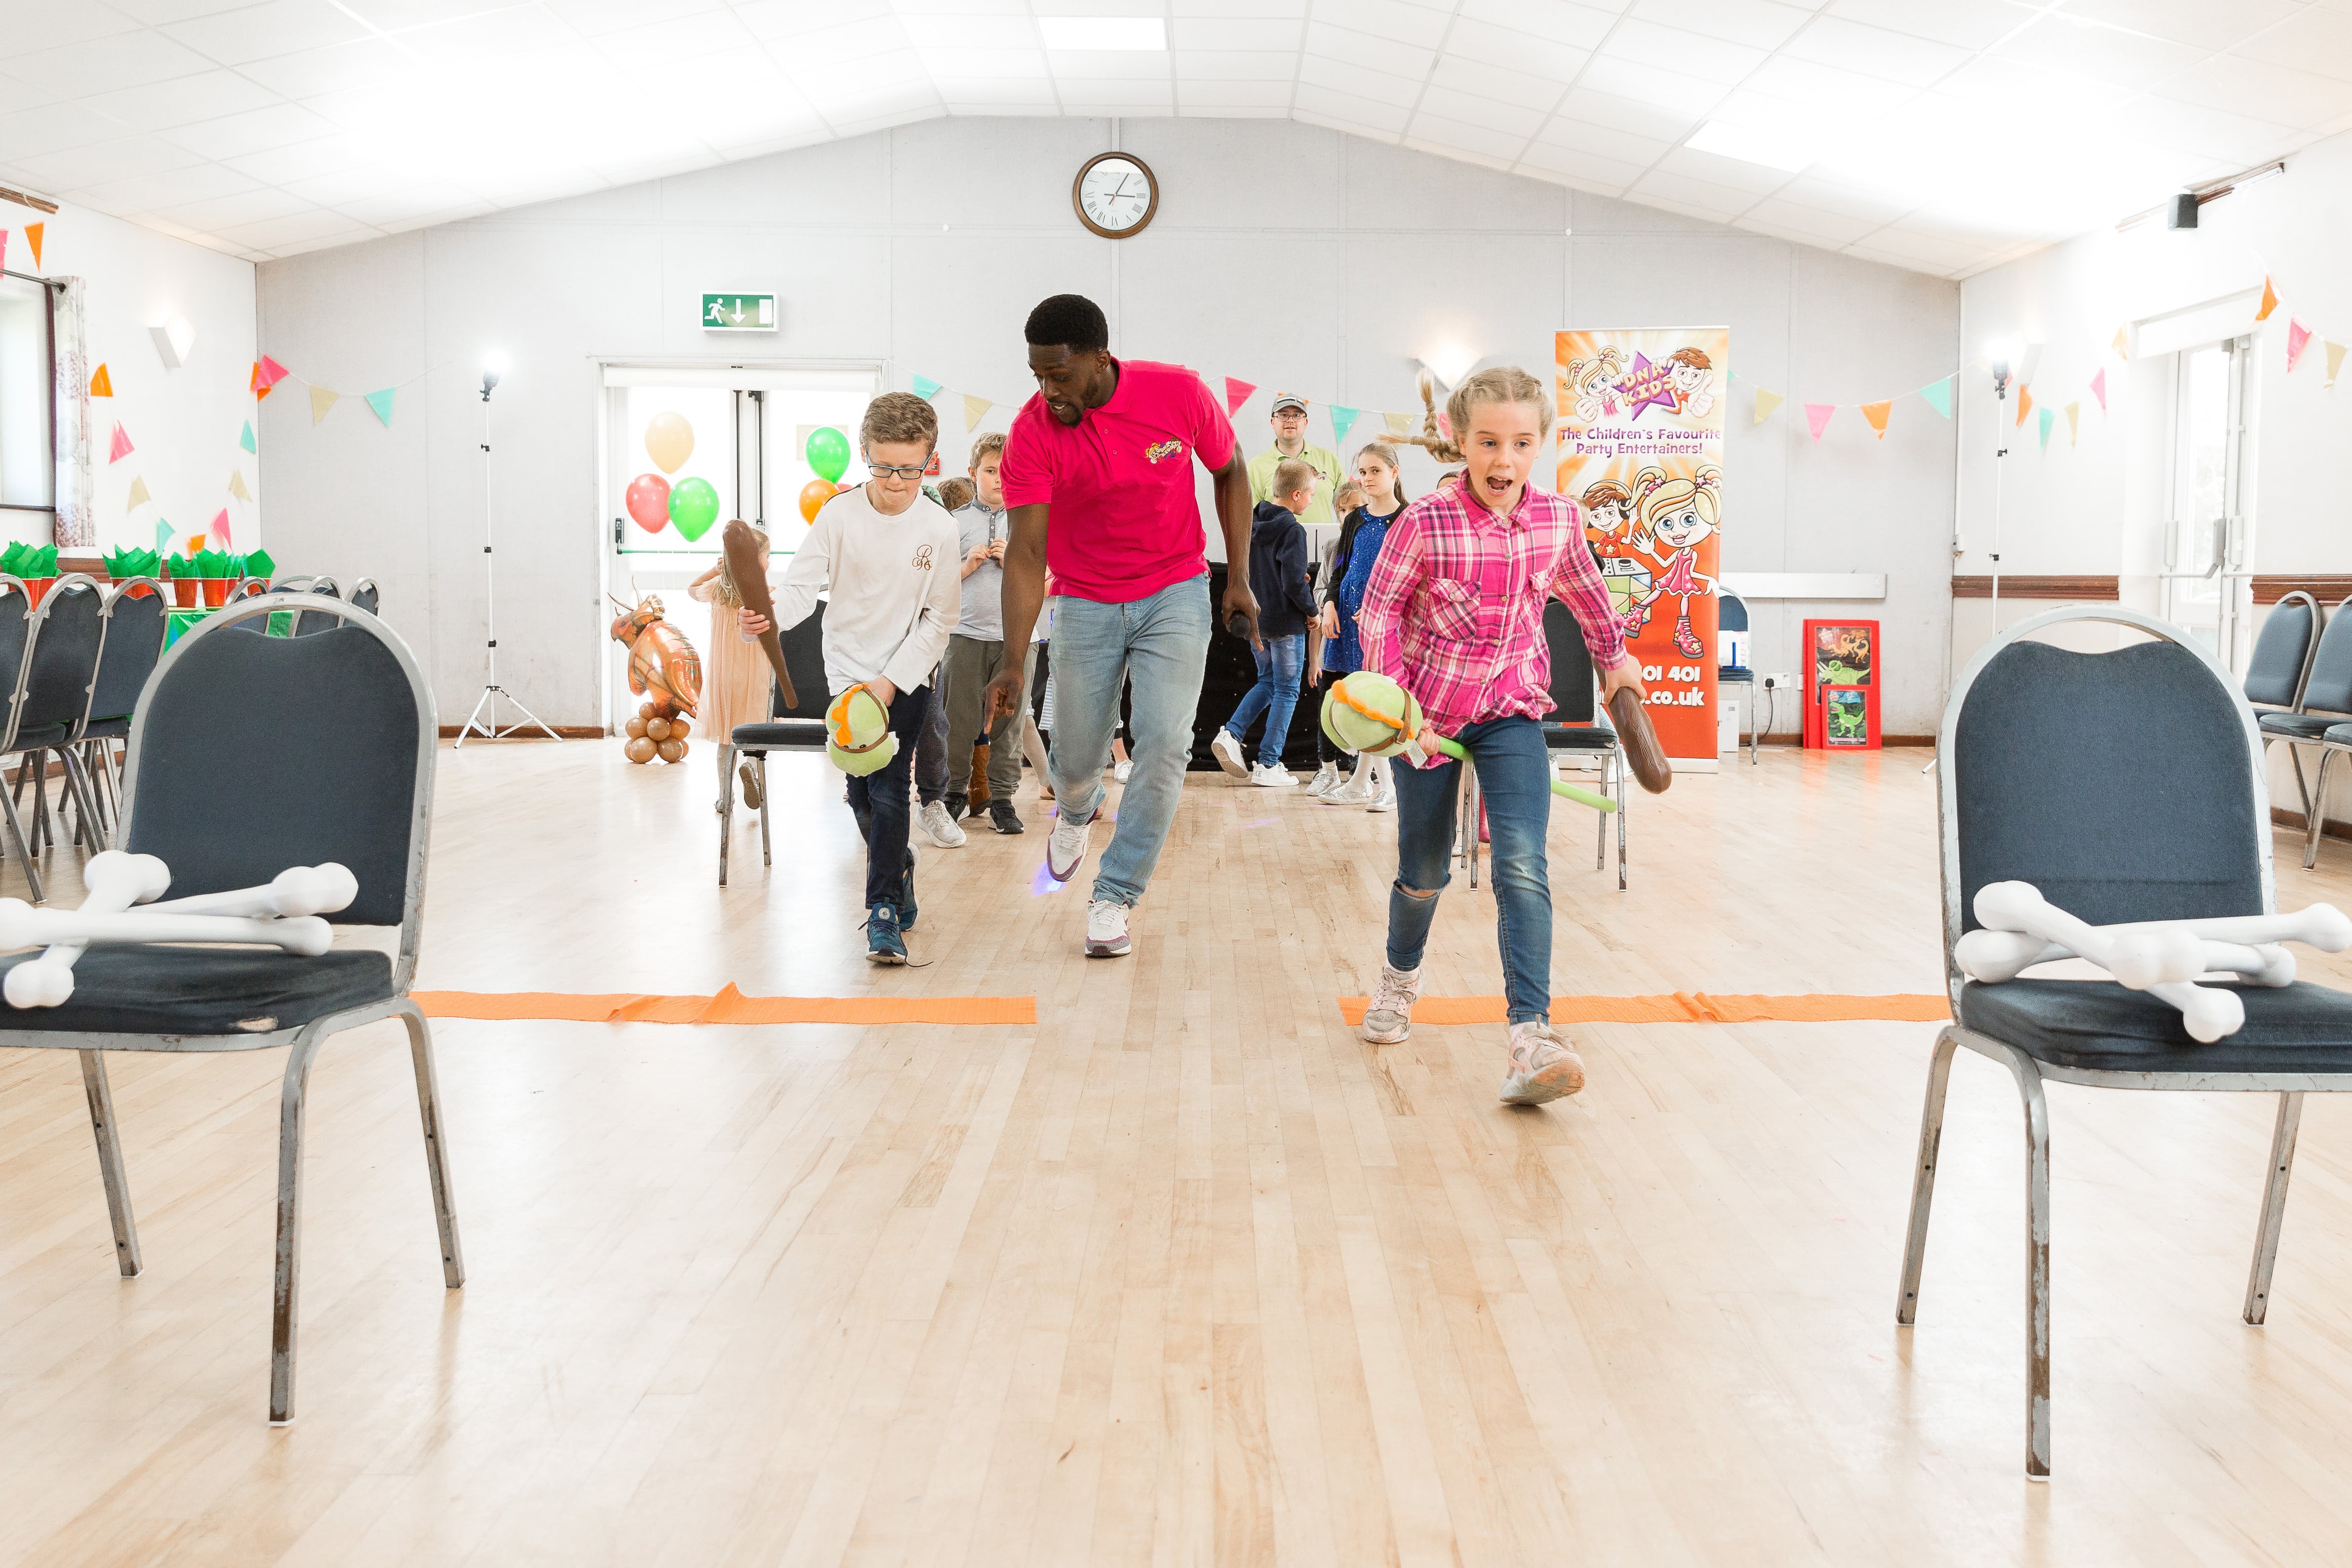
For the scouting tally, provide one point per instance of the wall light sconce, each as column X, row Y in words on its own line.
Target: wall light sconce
column 173, row 339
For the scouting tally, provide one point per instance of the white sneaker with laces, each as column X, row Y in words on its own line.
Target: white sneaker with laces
column 1228, row 753
column 939, row 827
column 1066, row 847
column 1383, row 788
column 1273, row 776
column 1326, row 779
column 1357, row 790
column 1389, row 1019
column 1543, row 1066
column 1122, row 771
column 1106, row 929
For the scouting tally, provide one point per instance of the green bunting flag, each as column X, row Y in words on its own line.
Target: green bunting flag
column 1938, row 395
column 2049, row 417
column 1342, row 421
column 382, row 403
column 926, row 388
column 246, row 440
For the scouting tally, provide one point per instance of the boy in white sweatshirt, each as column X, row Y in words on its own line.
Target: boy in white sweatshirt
column 889, row 554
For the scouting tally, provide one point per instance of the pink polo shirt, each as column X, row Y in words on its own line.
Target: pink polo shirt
column 1125, row 522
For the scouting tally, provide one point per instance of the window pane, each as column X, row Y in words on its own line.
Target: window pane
column 27, row 470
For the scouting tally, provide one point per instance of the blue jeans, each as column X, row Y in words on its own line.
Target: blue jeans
column 1158, row 647
column 1515, row 776
column 1280, row 665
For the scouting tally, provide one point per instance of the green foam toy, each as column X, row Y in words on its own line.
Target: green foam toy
column 1372, row 714
column 858, row 739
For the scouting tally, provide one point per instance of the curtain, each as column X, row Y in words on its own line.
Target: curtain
column 77, row 525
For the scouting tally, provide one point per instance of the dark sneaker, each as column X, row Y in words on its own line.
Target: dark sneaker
column 959, row 806
column 1003, row 818
column 883, row 942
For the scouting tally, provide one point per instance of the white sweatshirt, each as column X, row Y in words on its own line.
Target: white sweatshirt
column 895, row 589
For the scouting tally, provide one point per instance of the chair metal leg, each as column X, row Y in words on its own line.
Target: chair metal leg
column 1622, row 771
column 2037, row 1264
column 2258, row 1280
column 109, row 1164
column 289, row 1221
column 87, row 829
column 1600, row 822
column 24, row 853
column 2314, row 815
column 39, row 762
column 2293, row 756
column 1923, row 1177
column 436, row 1152
column 726, row 806
column 767, row 809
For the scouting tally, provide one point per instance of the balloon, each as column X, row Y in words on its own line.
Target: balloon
column 634, row 728
column 678, row 729
column 828, row 452
column 649, row 502
column 671, row 750
column 658, row 730
column 694, row 507
column 669, row 441
column 814, row 494
column 639, row 750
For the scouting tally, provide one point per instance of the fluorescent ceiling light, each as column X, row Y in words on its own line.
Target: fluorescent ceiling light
column 1773, row 149
column 1136, row 33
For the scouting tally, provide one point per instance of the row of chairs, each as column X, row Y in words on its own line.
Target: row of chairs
column 2299, row 683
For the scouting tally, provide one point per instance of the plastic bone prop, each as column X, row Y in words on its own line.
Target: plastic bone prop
column 283, row 913
column 2163, row 958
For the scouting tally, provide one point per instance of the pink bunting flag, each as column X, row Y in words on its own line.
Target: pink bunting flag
column 2099, row 388
column 122, row 447
column 219, row 529
column 4, row 247
column 268, row 372
column 1817, row 415
column 1236, row 394
column 2298, row 338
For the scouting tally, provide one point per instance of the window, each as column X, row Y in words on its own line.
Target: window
column 28, row 468
column 2207, row 543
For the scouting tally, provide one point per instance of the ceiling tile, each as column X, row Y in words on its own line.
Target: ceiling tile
column 790, row 18
column 830, row 47
column 311, row 225
column 1814, row 190
column 1235, row 65
column 2238, row 138
column 350, row 185
column 1021, row 69
column 1362, row 49
column 1604, row 142
column 1483, row 44
column 411, row 202
column 233, row 136
column 1600, row 173
column 1480, row 80
column 103, row 64
column 1670, row 119
column 97, row 164
column 596, row 17
column 179, row 102
column 196, row 182
column 1970, row 24
column 1702, row 193
column 1111, row 65
column 369, row 62
column 1813, row 223
column 305, row 160
column 1357, row 81
column 28, row 27
column 1237, row 33
column 707, row 38
column 2282, row 93
column 214, row 214
column 1652, row 49
column 1268, row 96
column 2203, row 23
column 1579, row 26
column 1822, row 91
column 2060, row 43
column 1760, row 24
column 1874, row 51
column 1387, row 116
column 2315, row 40
column 50, row 129
column 1486, row 113
column 946, row 32
column 1731, row 174
column 261, row 32
column 1422, row 26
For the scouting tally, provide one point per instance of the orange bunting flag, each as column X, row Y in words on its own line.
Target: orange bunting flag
column 32, row 232
column 2024, row 402
column 2073, row 422
column 2270, row 299
column 1876, row 414
column 2122, row 343
column 259, row 393
column 2334, row 360
column 101, row 384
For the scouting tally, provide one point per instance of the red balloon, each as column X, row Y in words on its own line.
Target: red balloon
column 649, row 502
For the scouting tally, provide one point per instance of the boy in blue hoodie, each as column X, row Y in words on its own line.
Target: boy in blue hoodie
column 1278, row 573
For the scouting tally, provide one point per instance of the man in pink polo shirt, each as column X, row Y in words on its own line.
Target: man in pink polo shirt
column 1106, row 450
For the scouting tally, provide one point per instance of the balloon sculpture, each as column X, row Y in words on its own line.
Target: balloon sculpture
column 662, row 663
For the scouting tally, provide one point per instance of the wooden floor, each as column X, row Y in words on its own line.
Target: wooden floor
column 1183, row 1273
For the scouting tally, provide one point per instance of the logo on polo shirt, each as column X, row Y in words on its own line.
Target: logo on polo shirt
column 923, row 558
column 1163, row 449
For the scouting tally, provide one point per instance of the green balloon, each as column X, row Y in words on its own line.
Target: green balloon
column 694, row 507
column 828, row 453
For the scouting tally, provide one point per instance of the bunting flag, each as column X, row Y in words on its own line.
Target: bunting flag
column 244, row 438
column 1937, row 395
column 2047, row 419
column 1342, row 421
column 2298, row 338
column 2122, row 344
column 259, row 393
column 163, row 536
column 1876, row 414
column 2024, row 404
column 4, row 247
column 1766, row 402
column 975, row 409
column 195, row 542
column 1398, row 424
column 122, row 447
column 101, row 384
column 267, row 372
column 236, row 485
column 219, row 529
column 1817, row 415
column 2270, row 299
column 138, row 495
column 382, row 403
column 2335, row 361
column 2099, row 388
column 1236, row 394
column 320, row 401
column 32, row 232
column 926, row 388
column 2073, row 423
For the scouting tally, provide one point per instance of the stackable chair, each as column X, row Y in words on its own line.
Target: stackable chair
column 2126, row 785
column 800, row 728
column 53, row 688
column 248, row 755
column 1731, row 615
column 134, row 641
column 365, row 594
column 16, row 641
column 2320, row 697
column 1577, row 723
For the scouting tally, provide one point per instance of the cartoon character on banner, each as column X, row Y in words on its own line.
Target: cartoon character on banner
column 1677, row 513
column 1694, row 375
column 1592, row 385
column 1607, row 529
column 662, row 663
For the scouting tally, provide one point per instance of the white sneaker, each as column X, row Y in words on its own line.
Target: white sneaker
column 1383, row 788
column 1106, row 929
column 1326, row 779
column 1389, row 1019
column 1066, row 847
column 1228, row 753
column 939, row 827
column 1273, row 776
column 1357, row 790
column 1122, row 771
column 1543, row 1066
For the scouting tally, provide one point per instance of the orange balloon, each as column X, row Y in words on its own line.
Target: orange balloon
column 671, row 750
column 678, row 729
column 639, row 750
column 657, row 730
column 634, row 728
column 814, row 494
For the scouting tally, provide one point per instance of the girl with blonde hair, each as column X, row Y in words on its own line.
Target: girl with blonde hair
column 736, row 686
column 1346, row 568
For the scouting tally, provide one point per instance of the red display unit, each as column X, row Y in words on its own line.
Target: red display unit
column 1842, row 682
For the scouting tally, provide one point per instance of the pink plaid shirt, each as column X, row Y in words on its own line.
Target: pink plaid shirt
column 1455, row 609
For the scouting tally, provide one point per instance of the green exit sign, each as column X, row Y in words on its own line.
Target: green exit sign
column 739, row 312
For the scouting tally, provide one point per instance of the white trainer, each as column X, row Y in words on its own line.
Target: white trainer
column 1228, row 753
column 1356, row 790
column 939, row 827
column 1122, row 771
column 1066, row 847
column 1273, row 776
column 1389, row 1019
column 1543, row 1066
column 1326, row 779
column 1106, row 929
column 1383, row 788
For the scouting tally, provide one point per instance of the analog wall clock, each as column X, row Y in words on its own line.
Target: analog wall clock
column 1116, row 195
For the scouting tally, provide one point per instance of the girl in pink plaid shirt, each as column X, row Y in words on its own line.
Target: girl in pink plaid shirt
column 1455, row 614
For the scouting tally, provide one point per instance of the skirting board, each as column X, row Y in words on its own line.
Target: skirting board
column 1806, row 584
column 2331, row 829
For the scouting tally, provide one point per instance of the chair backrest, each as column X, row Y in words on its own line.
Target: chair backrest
column 365, row 594
column 134, row 641
column 66, row 633
column 2327, row 685
column 1730, row 613
column 15, row 638
column 2126, row 785
column 1572, row 667
column 805, row 656
column 2281, row 660
column 310, row 623
column 249, row 754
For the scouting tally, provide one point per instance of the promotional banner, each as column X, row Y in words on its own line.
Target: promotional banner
column 1641, row 446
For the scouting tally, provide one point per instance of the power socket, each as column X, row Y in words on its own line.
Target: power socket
column 1778, row 682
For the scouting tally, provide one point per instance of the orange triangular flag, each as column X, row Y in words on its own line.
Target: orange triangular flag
column 2269, row 299
column 2122, row 343
column 33, row 239
column 1876, row 414
column 2024, row 402
column 101, row 384
column 260, row 392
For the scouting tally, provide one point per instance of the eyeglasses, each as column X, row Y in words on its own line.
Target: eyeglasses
column 904, row 471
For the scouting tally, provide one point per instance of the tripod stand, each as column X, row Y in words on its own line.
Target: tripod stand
column 493, row 693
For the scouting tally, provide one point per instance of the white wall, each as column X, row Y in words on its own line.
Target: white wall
column 183, row 424
column 1286, row 255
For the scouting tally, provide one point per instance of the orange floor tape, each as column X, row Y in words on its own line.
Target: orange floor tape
column 729, row 1007
column 1681, row 1007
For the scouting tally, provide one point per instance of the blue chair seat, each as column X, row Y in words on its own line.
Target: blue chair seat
column 776, row 735
column 204, row 989
column 2098, row 1025
column 2338, row 734
column 2302, row 726
column 1733, row 675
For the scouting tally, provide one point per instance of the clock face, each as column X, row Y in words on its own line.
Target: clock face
column 1115, row 196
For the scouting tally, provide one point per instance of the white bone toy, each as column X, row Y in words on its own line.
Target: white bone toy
column 281, row 914
column 2160, row 957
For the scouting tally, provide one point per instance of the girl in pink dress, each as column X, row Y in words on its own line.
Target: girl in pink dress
column 1677, row 513
column 735, row 675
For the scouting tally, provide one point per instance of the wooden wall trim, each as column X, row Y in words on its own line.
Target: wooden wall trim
column 2328, row 591
column 2028, row 586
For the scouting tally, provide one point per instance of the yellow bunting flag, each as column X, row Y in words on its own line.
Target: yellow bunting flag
column 1766, row 402
column 2024, row 402
column 236, row 485
column 1876, row 414
column 2123, row 342
column 138, row 495
column 2334, row 360
column 320, row 401
column 2270, row 299
column 975, row 409
column 1398, row 424
column 101, row 384
column 2073, row 422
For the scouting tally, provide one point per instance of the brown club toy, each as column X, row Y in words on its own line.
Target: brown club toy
column 738, row 541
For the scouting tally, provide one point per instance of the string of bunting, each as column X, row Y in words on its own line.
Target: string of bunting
column 1235, row 391
column 267, row 373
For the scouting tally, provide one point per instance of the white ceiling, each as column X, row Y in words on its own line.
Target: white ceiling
column 1949, row 134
